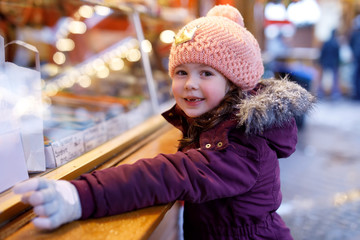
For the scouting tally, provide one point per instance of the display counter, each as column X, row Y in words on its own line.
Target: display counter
column 99, row 72
column 100, row 69
column 147, row 140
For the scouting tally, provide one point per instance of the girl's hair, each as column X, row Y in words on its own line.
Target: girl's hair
column 210, row 119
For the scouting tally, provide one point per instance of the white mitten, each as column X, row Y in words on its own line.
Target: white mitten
column 55, row 202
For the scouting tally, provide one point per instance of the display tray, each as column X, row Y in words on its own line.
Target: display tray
column 146, row 140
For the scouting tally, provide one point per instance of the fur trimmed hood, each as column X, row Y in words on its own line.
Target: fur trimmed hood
column 274, row 103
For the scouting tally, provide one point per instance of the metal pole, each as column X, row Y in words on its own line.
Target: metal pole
column 146, row 62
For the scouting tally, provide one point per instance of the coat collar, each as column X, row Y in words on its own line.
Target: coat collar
column 213, row 139
column 275, row 103
column 176, row 117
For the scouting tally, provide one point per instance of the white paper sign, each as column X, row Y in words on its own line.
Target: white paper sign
column 94, row 136
column 68, row 148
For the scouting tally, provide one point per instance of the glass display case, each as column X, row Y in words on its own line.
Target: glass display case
column 95, row 70
column 104, row 80
column 103, row 67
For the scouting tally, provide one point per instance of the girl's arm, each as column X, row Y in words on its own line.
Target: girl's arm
column 195, row 176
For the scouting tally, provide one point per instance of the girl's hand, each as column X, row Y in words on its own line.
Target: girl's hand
column 55, row 202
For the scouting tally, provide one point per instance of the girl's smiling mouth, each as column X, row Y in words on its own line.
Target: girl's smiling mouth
column 193, row 99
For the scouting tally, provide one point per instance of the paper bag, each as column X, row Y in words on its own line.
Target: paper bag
column 12, row 160
column 24, row 86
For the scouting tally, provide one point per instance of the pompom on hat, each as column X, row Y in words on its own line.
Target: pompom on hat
column 221, row 41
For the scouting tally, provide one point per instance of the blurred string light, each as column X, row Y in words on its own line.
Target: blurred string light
column 102, row 10
column 100, row 66
column 86, row 11
column 108, row 56
column 133, row 43
column 97, row 67
column 77, row 27
column 59, row 58
column 68, row 26
column 146, row 46
column 103, row 72
column 121, row 51
column 167, row 36
column 65, row 44
column 51, row 89
column 133, row 55
column 88, row 70
column 50, row 69
column 116, row 64
column 84, row 81
column 74, row 26
column 66, row 81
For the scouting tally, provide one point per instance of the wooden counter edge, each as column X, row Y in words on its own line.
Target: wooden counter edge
column 136, row 225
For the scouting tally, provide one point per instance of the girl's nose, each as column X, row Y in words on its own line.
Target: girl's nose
column 191, row 83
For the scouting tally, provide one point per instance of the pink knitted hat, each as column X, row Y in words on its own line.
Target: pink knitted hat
column 221, row 41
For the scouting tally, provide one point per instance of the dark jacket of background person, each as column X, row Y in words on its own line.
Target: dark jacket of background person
column 330, row 53
column 355, row 47
column 329, row 60
column 355, row 44
column 229, row 180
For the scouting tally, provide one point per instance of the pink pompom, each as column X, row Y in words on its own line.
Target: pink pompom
column 228, row 12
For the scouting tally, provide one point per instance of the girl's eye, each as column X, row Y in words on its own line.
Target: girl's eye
column 207, row 73
column 180, row 72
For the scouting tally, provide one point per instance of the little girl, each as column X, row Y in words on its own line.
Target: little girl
column 235, row 127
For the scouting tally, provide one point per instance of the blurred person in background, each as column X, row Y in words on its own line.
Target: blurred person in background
column 355, row 47
column 329, row 61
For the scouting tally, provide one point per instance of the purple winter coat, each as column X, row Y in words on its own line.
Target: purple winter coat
column 230, row 184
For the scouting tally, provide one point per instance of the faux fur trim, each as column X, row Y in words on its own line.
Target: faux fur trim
column 275, row 103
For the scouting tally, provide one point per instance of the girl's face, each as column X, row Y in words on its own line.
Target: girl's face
column 198, row 88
